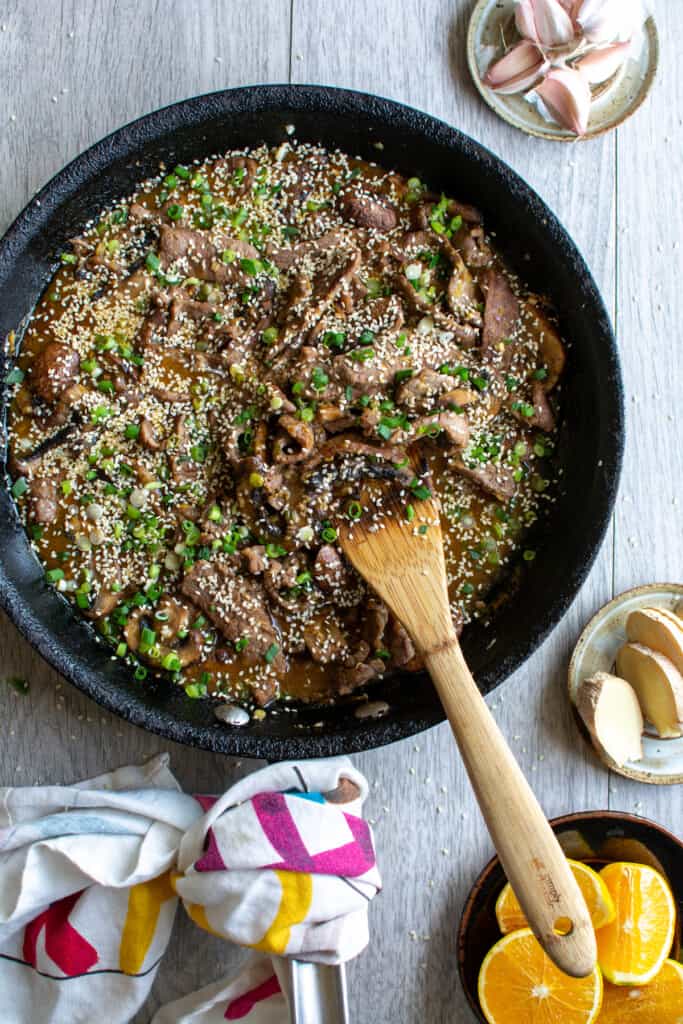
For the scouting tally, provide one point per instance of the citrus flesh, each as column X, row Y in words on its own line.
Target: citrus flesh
column 510, row 915
column 633, row 947
column 519, row 984
column 660, row 1002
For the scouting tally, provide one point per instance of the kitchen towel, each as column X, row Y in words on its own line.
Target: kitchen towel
column 91, row 875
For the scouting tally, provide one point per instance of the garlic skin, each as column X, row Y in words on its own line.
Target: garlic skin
column 518, row 70
column 545, row 22
column 607, row 21
column 600, row 64
column 567, row 95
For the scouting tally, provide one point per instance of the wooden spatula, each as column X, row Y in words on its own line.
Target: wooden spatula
column 404, row 563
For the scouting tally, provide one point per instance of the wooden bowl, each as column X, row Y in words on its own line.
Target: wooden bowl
column 596, row 837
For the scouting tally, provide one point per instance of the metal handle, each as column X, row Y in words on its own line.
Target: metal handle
column 317, row 993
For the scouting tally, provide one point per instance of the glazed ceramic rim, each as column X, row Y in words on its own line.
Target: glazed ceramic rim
column 650, row 29
column 628, row 773
column 482, row 877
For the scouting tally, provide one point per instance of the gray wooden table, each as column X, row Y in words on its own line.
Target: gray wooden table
column 73, row 71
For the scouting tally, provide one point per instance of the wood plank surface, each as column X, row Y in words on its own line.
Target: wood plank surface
column 75, row 71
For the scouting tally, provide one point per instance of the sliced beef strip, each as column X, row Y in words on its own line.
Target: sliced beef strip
column 55, row 368
column 183, row 309
column 349, row 445
column 324, row 638
column 254, row 559
column 452, row 426
column 421, row 213
column 375, row 622
column 401, row 647
column 542, row 418
column 334, row 419
column 461, row 292
column 377, row 214
column 494, row 479
column 43, row 500
column 227, row 167
column 284, row 259
column 348, row 678
column 201, row 256
column 327, row 286
column 330, row 572
column 419, row 392
column 371, row 375
column 501, row 312
column 295, row 442
column 236, row 605
column 475, row 249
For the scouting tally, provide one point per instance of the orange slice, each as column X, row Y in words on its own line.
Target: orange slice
column 519, row 984
column 633, row 947
column 660, row 1002
column 510, row 915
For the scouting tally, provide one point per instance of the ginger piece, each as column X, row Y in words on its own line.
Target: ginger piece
column 610, row 710
column 658, row 629
column 658, row 684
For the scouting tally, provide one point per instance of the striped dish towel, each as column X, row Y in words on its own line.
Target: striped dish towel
column 91, row 875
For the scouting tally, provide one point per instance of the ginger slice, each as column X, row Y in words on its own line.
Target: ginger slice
column 659, row 630
column 658, row 684
column 609, row 707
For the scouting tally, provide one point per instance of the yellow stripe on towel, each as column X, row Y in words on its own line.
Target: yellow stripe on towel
column 142, row 916
column 297, row 895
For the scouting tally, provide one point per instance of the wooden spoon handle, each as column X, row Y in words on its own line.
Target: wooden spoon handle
column 528, row 849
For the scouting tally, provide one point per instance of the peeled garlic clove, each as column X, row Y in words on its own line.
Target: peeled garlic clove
column 567, row 96
column 518, row 70
column 604, row 21
column 544, row 21
column 599, row 65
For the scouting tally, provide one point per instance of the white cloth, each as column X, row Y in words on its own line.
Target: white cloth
column 90, row 877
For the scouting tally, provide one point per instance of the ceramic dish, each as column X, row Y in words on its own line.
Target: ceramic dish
column 613, row 102
column 596, row 651
column 597, row 837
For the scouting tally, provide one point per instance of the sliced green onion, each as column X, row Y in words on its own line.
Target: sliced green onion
column 272, row 653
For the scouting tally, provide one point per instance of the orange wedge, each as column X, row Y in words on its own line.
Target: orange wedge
column 519, row 984
column 633, row 947
column 510, row 915
column 660, row 1002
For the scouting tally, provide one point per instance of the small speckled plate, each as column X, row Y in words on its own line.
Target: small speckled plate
column 491, row 28
column 596, row 651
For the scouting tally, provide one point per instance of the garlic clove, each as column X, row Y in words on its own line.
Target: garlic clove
column 567, row 95
column 544, row 21
column 524, row 20
column 604, row 21
column 600, row 64
column 518, row 70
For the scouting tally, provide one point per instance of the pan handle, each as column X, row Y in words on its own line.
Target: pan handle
column 317, row 993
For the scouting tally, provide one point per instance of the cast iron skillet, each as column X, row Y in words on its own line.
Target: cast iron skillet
column 539, row 248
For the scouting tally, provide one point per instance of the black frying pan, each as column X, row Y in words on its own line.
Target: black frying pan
column 538, row 247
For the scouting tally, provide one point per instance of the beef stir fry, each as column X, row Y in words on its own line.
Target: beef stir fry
column 218, row 367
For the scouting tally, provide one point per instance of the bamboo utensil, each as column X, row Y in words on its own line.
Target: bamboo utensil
column 403, row 562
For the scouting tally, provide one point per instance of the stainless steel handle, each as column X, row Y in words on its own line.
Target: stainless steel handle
column 317, row 993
